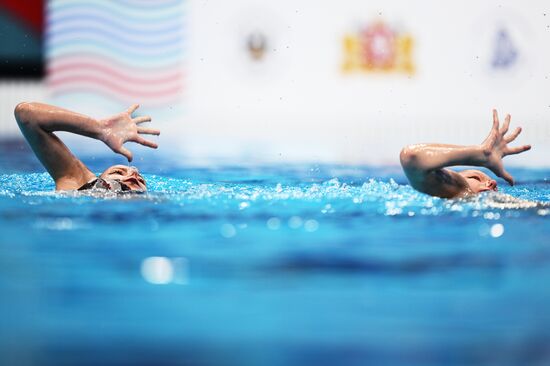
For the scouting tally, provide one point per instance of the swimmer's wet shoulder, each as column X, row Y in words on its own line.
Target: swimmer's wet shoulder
column 425, row 165
column 39, row 121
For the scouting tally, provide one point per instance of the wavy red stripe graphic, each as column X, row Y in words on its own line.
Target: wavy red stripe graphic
column 103, row 91
column 94, row 58
column 58, row 69
column 76, row 62
column 123, row 99
column 56, row 84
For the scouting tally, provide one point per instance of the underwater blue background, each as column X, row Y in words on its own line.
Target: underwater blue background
column 280, row 264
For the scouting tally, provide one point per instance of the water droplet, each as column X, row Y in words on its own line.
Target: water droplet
column 311, row 225
column 228, row 231
column 295, row 222
column 157, row 270
column 273, row 223
column 497, row 230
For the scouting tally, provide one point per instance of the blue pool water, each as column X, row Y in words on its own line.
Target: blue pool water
column 270, row 265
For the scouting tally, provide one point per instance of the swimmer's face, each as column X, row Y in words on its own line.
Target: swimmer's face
column 479, row 181
column 129, row 176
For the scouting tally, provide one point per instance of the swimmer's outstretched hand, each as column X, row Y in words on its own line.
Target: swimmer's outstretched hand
column 495, row 147
column 120, row 128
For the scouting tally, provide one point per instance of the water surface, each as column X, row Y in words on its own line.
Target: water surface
column 271, row 265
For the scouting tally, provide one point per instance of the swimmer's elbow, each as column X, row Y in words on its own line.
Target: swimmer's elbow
column 408, row 156
column 25, row 114
column 22, row 112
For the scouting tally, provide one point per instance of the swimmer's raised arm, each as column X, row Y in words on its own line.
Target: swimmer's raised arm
column 39, row 121
column 424, row 163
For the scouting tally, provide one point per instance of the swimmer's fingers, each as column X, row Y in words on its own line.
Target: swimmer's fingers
column 148, row 131
column 511, row 137
column 517, row 150
column 142, row 119
column 124, row 151
column 495, row 120
column 491, row 139
column 507, row 177
column 132, row 109
column 499, row 171
column 506, row 125
column 140, row 140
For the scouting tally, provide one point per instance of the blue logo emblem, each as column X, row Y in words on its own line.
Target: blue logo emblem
column 505, row 53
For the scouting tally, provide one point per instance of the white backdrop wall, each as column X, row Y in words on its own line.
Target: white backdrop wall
column 297, row 104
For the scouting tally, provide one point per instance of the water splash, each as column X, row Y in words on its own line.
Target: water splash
column 331, row 197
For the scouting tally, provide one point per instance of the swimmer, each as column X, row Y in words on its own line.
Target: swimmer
column 38, row 122
column 424, row 164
